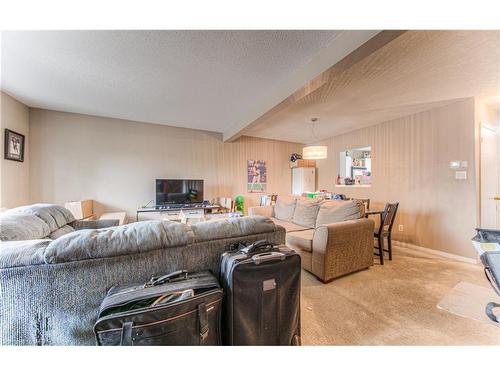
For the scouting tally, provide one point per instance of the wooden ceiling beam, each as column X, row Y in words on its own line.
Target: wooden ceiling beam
column 360, row 53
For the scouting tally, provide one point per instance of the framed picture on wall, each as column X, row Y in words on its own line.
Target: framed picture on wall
column 14, row 146
column 256, row 176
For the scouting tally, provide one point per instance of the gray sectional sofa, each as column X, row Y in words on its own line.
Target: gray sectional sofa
column 332, row 237
column 55, row 271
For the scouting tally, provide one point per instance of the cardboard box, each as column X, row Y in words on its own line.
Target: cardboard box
column 120, row 216
column 81, row 209
column 302, row 163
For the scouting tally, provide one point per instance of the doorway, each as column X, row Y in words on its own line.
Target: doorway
column 490, row 177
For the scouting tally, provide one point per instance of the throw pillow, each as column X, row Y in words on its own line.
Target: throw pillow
column 306, row 212
column 53, row 215
column 21, row 227
column 336, row 211
column 284, row 207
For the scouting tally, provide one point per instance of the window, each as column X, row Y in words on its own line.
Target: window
column 355, row 167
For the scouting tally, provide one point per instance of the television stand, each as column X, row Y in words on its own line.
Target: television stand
column 173, row 211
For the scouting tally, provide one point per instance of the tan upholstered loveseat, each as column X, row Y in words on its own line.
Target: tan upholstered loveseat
column 332, row 237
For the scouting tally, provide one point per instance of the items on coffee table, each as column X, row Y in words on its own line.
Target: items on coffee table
column 239, row 203
column 268, row 200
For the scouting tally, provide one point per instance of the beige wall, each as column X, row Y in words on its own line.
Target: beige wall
column 14, row 187
column 410, row 165
column 115, row 161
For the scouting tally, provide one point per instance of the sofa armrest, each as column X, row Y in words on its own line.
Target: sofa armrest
column 261, row 210
column 342, row 248
column 94, row 224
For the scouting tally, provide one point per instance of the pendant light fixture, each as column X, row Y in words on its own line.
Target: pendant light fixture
column 314, row 152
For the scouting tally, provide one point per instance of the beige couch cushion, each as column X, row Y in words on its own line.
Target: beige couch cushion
column 301, row 240
column 336, row 211
column 306, row 212
column 285, row 207
column 289, row 227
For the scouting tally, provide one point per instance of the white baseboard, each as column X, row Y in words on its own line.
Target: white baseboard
column 404, row 246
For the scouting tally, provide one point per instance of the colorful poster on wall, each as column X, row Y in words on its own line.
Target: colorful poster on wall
column 257, row 176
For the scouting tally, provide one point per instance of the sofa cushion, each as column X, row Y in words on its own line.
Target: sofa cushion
column 121, row 240
column 301, row 240
column 306, row 212
column 335, row 211
column 65, row 229
column 232, row 227
column 289, row 227
column 284, row 207
column 53, row 215
column 19, row 227
column 22, row 253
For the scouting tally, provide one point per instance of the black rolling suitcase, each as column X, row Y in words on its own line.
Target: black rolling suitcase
column 261, row 295
column 180, row 308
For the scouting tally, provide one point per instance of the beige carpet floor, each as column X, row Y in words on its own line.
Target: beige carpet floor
column 393, row 304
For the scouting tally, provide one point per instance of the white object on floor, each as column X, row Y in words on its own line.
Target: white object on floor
column 469, row 301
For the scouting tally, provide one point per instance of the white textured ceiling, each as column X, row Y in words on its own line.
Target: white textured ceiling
column 212, row 80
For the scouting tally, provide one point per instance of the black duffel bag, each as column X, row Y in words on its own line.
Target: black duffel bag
column 180, row 308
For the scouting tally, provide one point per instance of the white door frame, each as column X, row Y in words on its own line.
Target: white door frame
column 489, row 179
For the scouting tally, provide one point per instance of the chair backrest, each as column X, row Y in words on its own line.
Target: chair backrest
column 388, row 217
column 366, row 202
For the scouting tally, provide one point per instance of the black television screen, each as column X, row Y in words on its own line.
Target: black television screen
column 178, row 191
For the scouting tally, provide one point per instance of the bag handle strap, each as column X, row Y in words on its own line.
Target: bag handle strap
column 267, row 257
column 203, row 321
column 173, row 276
column 261, row 245
column 126, row 339
column 489, row 311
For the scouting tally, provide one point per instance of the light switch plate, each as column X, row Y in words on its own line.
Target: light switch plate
column 461, row 175
column 464, row 164
column 454, row 164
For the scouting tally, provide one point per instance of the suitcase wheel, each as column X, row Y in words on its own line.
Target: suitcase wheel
column 296, row 340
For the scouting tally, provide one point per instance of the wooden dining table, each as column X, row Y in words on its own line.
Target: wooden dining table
column 374, row 212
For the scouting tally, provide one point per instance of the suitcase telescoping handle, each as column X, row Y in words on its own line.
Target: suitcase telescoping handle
column 260, row 245
column 173, row 276
column 267, row 257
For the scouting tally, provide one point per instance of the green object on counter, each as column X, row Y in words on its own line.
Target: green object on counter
column 240, row 203
column 311, row 195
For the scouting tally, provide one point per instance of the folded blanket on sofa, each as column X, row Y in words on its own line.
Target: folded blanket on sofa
column 121, row 240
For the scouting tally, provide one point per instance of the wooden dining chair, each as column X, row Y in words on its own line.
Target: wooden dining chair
column 385, row 230
column 366, row 202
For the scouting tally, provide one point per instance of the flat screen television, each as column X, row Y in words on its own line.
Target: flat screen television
column 169, row 191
